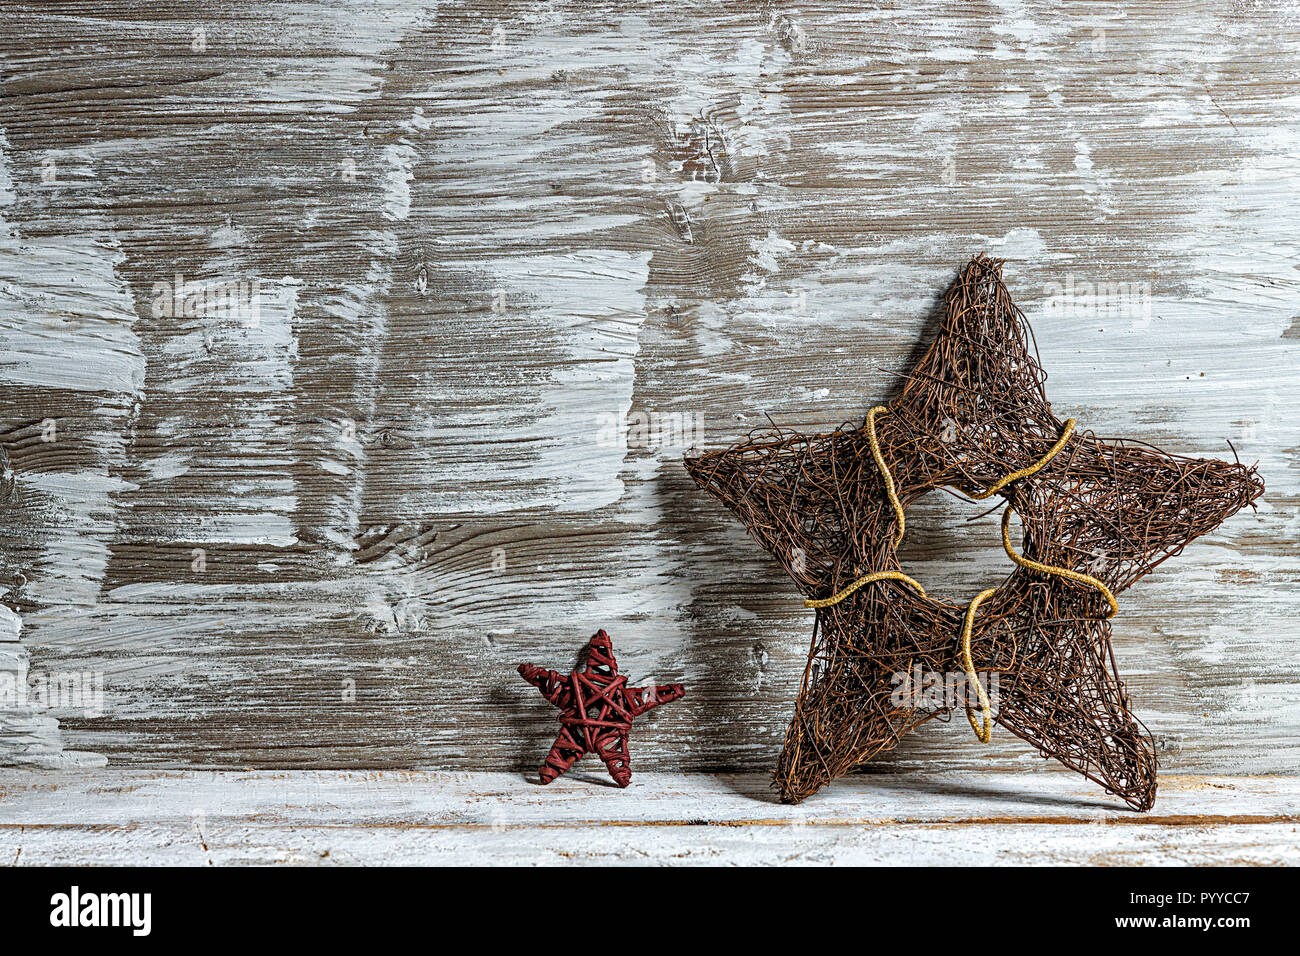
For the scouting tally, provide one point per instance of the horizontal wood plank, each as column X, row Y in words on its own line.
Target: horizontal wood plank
column 338, row 818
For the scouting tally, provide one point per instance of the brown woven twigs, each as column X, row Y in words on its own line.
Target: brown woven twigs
column 972, row 413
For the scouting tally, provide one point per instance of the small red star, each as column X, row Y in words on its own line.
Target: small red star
column 596, row 710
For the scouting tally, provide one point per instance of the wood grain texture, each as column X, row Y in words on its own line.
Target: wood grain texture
column 481, row 232
column 204, row 818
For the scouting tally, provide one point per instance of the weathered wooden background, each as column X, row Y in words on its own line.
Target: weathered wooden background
column 322, row 535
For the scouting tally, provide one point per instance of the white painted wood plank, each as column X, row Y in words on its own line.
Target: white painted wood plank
column 317, row 817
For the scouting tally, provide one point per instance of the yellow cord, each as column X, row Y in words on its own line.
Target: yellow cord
column 1049, row 569
column 984, row 726
column 867, row 579
column 985, row 733
column 898, row 511
column 1032, row 469
column 884, row 471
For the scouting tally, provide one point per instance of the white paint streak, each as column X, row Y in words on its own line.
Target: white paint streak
column 587, row 307
column 67, row 322
column 29, row 737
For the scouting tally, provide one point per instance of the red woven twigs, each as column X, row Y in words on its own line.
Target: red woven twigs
column 596, row 710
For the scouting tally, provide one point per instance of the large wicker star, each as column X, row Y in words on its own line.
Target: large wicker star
column 1097, row 515
column 596, row 710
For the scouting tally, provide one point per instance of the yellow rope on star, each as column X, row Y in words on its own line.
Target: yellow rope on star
column 884, row 471
column 985, row 732
column 984, row 726
column 898, row 506
column 898, row 511
column 1032, row 469
column 1078, row 576
column 864, row 580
